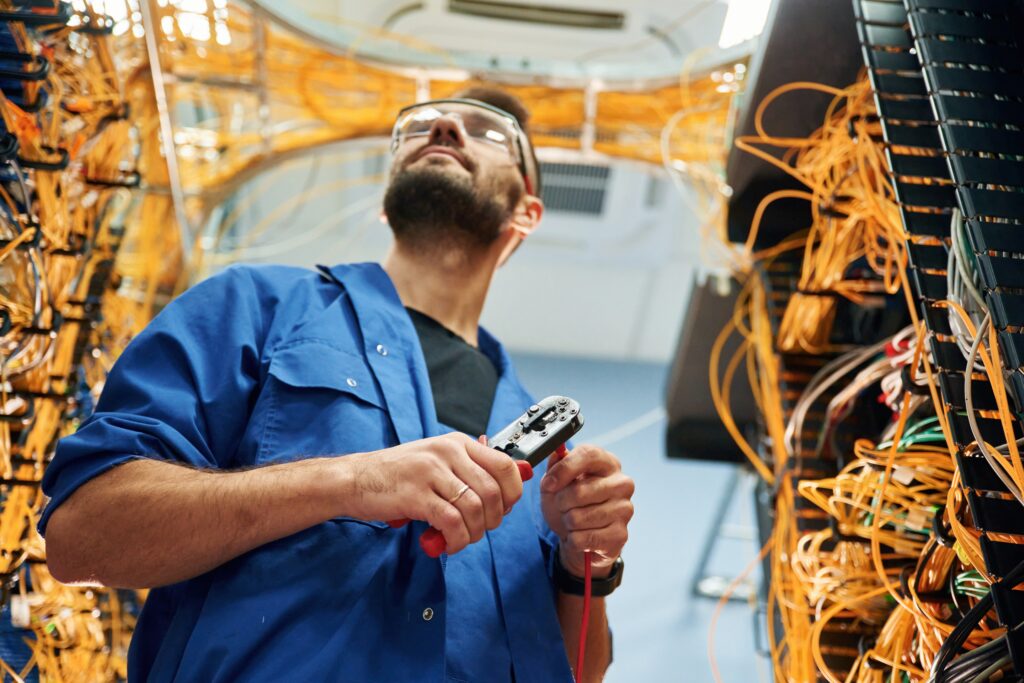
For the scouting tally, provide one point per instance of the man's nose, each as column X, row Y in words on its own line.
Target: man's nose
column 447, row 131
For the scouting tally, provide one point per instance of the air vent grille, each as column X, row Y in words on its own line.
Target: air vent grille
column 575, row 188
column 538, row 14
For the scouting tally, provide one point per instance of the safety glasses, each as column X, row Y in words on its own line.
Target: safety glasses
column 476, row 120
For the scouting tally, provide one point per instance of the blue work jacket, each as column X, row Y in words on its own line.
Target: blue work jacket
column 266, row 364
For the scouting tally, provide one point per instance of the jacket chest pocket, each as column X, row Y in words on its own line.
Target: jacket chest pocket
column 323, row 401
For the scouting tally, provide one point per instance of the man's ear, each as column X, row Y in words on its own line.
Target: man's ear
column 523, row 222
column 383, row 217
column 527, row 215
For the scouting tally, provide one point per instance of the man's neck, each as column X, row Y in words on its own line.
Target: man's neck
column 449, row 287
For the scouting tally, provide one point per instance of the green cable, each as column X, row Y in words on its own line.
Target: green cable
column 928, row 436
column 913, row 429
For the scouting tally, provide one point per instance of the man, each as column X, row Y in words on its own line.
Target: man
column 210, row 469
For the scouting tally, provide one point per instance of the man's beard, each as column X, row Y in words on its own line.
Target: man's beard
column 429, row 209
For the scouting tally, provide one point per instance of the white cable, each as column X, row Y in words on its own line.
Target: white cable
column 960, row 278
column 821, row 381
column 972, row 419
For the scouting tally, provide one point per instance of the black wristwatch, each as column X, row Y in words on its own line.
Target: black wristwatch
column 568, row 582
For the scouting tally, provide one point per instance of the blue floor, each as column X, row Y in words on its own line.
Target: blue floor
column 660, row 629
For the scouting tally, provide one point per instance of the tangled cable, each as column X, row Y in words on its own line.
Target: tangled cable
column 877, row 572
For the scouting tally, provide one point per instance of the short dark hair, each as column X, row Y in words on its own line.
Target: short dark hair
column 512, row 104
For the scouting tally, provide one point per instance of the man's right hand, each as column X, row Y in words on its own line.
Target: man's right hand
column 422, row 480
column 104, row 532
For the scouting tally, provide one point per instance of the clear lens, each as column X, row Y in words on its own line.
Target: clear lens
column 476, row 122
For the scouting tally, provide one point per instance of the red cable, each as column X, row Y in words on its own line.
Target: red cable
column 584, row 622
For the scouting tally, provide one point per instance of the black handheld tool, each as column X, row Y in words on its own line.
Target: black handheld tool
column 539, row 432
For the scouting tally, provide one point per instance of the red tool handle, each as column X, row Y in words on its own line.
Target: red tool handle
column 432, row 540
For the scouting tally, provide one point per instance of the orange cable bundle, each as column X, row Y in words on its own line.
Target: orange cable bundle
column 854, row 215
column 58, row 218
column 900, row 535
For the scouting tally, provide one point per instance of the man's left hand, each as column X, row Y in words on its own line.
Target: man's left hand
column 585, row 498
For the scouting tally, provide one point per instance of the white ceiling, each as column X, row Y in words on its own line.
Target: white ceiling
column 656, row 37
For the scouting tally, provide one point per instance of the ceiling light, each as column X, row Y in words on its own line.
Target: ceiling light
column 743, row 20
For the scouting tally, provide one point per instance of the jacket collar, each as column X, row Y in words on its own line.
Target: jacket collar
column 402, row 374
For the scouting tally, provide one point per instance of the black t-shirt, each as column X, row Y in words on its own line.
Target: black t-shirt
column 462, row 378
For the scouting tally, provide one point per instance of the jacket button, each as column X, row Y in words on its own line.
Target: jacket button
column 428, row 614
column 351, row 382
column 382, row 350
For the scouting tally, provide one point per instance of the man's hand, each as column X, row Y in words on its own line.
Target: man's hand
column 207, row 518
column 585, row 498
column 428, row 479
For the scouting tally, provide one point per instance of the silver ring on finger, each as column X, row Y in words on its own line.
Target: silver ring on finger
column 462, row 491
